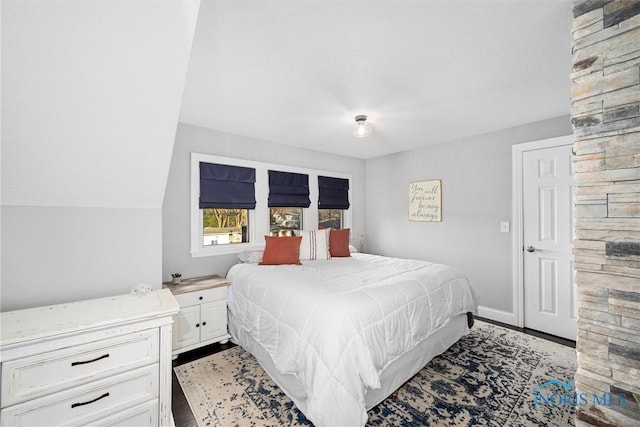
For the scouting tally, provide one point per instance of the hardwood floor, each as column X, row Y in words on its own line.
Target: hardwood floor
column 532, row 332
column 184, row 417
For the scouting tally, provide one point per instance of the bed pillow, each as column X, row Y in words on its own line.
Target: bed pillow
column 315, row 244
column 339, row 242
column 281, row 250
column 250, row 257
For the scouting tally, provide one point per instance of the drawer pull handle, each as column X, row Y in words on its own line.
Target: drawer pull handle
column 74, row 405
column 104, row 356
column 200, row 298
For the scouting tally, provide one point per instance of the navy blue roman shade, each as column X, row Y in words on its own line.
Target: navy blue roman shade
column 288, row 190
column 333, row 193
column 225, row 186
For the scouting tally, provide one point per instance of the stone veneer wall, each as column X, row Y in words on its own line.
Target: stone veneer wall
column 605, row 100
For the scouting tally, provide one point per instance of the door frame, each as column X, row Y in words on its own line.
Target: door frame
column 517, row 214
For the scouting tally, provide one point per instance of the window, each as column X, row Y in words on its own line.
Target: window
column 288, row 195
column 226, row 196
column 333, row 200
column 283, row 221
column 275, row 199
column 225, row 226
column 330, row 218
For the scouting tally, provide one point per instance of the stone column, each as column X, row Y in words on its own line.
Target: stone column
column 605, row 99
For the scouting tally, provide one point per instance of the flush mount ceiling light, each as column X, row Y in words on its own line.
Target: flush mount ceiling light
column 361, row 127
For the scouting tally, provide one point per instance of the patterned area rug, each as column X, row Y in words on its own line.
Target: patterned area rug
column 486, row 378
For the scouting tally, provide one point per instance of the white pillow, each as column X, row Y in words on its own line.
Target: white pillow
column 315, row 244
column 251, row 257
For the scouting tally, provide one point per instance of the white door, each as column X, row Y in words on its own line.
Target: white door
column 549, row 290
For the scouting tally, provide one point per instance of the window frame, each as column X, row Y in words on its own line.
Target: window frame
column 259, row 217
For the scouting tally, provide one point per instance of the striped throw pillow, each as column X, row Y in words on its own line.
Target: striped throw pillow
column 315, row 244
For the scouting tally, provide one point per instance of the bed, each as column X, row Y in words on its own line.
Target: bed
column 338, row 336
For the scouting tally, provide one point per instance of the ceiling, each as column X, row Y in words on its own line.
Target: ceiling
column 425, row 72
column 92, row 91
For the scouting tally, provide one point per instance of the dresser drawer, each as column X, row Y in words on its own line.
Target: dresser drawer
column 141, row 415
column 89, row 403
column 200, row 297
column 41, row 374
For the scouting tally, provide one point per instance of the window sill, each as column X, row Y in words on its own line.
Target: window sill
column 224, row 249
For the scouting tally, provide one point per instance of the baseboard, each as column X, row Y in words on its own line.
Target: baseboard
column 497, row 315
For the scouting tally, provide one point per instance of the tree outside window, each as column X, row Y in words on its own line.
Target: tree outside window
column 283, row 221
column 224, row 226
column 330, row 218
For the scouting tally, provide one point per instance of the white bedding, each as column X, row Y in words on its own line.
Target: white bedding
column 337, row 324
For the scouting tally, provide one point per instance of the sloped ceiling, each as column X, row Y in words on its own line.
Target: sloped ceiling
column 91, row 94
column 431, row 71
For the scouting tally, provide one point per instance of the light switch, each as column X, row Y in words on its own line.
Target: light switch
column 504, row 226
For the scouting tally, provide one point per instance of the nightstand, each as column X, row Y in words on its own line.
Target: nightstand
column 202, row 319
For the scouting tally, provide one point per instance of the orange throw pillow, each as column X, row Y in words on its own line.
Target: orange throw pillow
column 339, row 243
column 281, row 250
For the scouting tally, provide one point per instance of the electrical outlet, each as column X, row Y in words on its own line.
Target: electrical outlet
column 504, row 226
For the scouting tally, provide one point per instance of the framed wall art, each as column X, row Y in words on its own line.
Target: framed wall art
column 425, row 201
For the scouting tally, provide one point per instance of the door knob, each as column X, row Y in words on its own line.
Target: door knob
column 531, row 249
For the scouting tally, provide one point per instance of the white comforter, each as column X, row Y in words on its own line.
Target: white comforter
column 336, row 324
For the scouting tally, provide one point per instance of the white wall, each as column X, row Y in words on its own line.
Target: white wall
column 175, row 211
column 59, row 254
column 476, row 196
column 91, row 94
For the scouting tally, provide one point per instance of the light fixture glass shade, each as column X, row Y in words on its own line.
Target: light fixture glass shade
column 361, row 127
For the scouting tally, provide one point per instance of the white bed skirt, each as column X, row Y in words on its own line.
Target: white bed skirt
column 392, row 377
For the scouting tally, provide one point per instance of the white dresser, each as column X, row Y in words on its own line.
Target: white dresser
column 105, row 362
column 203, row 313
